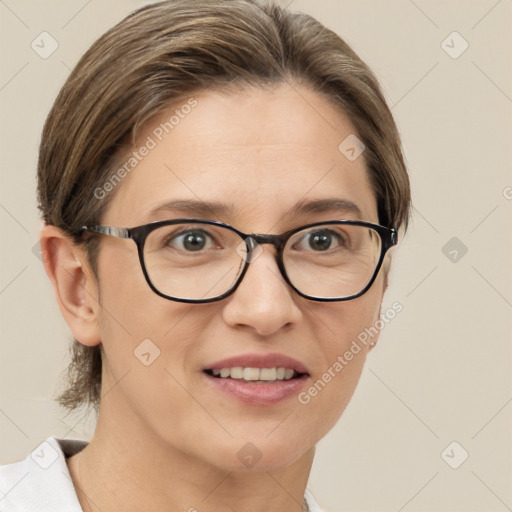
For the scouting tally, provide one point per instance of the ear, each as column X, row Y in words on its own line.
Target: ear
column 74, row 283
column 386, row 267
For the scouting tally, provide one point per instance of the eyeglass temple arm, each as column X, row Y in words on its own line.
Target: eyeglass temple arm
column 393, row 238
column 108, row 230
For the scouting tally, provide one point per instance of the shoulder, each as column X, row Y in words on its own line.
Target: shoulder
column 41, row 482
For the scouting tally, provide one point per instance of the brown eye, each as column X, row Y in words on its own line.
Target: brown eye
column 192, row 240
column 320, row 240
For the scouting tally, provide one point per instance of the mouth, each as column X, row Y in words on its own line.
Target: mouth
column 258, row 379
column 255, row 375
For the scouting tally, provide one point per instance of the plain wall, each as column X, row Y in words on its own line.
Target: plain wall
column 441, row 370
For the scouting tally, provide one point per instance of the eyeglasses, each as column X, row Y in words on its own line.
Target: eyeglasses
column 201, row 261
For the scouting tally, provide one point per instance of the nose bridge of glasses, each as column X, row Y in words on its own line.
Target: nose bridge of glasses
column 254, row 251
column 255, row 240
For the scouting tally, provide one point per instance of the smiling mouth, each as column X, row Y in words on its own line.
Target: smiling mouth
column 255, row 375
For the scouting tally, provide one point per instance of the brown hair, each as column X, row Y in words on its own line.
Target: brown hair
column 157, row 56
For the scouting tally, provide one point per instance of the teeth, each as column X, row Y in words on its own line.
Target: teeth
column 255, row 374
column 268, row 374
column 251, row 374
column 235, row 373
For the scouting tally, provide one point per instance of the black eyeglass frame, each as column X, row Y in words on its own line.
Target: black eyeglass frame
column 388, row 236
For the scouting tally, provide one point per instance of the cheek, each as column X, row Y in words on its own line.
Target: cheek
column 344, row 322
column 140, row 330
column 344, row 347
column 147, row 365
column 129, row 307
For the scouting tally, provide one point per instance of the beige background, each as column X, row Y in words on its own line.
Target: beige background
column 441, row 371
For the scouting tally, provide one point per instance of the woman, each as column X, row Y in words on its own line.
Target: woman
column 222, row 183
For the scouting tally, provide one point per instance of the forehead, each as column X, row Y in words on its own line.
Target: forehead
column 256, row 153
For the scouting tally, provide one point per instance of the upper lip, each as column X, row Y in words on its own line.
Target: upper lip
column 260, row 361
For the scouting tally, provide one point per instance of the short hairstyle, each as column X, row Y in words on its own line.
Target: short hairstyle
column 160, row 55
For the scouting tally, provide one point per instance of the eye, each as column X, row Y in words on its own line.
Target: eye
column 320, row 240
column 191, row 240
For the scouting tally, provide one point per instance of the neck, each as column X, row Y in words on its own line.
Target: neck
column 126, row 468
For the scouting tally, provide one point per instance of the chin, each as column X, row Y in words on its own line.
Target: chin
column 261, row 454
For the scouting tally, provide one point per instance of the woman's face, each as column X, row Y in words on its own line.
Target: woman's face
column 259, row 154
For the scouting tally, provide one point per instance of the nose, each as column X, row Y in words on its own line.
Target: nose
column 263, row 302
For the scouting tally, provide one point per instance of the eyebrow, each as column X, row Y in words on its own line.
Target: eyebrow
column 220, row 210
column 334, row 205
column 194, row 208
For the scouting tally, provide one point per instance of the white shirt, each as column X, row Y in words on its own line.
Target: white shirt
column 42, row 483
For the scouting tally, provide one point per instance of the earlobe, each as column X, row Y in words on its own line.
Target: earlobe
column 74, row 284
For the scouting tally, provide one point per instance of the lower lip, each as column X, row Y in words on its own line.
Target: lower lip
column 258, row 393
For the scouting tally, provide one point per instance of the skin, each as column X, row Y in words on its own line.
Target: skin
column 165, row 441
